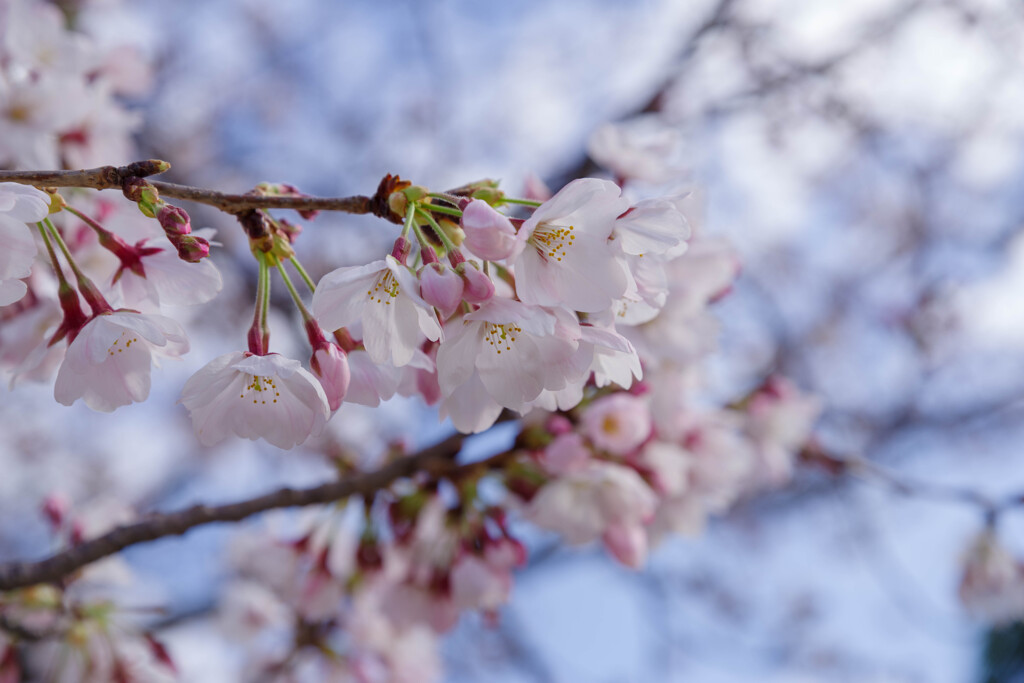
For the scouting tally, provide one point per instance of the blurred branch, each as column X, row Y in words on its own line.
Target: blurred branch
column 437, row 461
column 813, row 454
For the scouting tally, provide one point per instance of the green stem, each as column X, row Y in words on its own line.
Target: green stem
column 524, row 202
column 450, row 198
column 306, row 316
column 445, row 240
column 410, row 215
column 53, row 257
column 445, row 209
column 79, row 275
column 303, row 274
column 265, row 304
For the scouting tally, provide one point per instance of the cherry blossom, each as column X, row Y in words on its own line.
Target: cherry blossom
column 512, row 348
column 253, row 397
column 618, row 423
column 19, row 204
column 108, row 363
column 384, row 295
column 563, row 257
column 582, row 505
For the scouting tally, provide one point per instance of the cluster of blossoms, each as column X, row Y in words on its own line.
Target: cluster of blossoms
column 60, row 90
column 75, row 630
column 589, row 316
column 554, row 308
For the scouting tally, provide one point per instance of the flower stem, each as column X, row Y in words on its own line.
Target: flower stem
column 444, row 209
column 303, row 274
column 306, row 315
column 524, row 202
column 257, row 337
column 410, row 215
column 445, row 240
column 62, row 281
column 89, row 291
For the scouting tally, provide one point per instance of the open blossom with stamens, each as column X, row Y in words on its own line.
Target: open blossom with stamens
column 108, row 363
column 269, row 397
column 563, row 256
column 19, row 204
column 385, row 296
column 514, row 349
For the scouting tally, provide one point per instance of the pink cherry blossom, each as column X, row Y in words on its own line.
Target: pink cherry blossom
column 253, row 397
column 384, row 295
column 513, row 349
column 563, row 257
column 582, row 505
column 108, row 363
column 617, row 423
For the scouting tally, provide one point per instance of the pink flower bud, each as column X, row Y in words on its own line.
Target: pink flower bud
column 567, row 453
column 191, row 249
column 400, row 250
column 174, row 220
column 628, row 543
column 489, row 233
column 441, row 287
column 330, row 365
column 55, row 507
column 477, row 287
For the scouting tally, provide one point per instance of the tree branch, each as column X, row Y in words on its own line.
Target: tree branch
column 112, row 178
column 437, row 460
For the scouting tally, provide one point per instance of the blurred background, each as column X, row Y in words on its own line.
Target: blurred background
column 865, row 159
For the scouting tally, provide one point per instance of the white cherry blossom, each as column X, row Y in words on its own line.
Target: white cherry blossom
column 19, row 204
column 108, row 363
column 563, row 256
column 384, row 295
column 513, row 348
column 253, row 397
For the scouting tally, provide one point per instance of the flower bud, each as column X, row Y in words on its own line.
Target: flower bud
column 191, row 249
column 174, row 220
column 441, row 287
column 628, row 543
column 477, row 287
column 401, row 249
column 489, row 233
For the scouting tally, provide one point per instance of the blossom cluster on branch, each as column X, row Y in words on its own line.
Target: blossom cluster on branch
column 585, row 315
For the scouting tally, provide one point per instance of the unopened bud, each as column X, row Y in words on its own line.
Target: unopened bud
column 477, row 287
column 400, row 250
column 441, row 287
column 489, row 233
column 191, row 249
column 174, row 220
